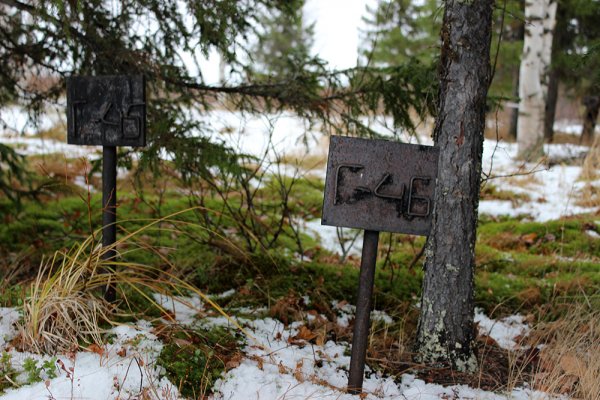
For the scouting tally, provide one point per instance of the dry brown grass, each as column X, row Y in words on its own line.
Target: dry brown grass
column 65, row 309
column 569, row 360
column 524, row 180
column 57, row 132
column 61, row 169
column 591, row 165
column 589, row 196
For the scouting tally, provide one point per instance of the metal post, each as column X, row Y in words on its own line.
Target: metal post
column 363, row 311
column 109, row 209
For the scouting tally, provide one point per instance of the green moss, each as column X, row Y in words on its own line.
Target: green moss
column 8, row 374
column 491, row 192
column 194, row 360
column 566, row 237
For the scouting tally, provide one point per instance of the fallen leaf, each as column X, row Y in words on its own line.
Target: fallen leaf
column 234, row 362
column 298, row 371
column 94, row 348
column 306, row 334
column 258, row 360
column 282, row 368
column 122, row 352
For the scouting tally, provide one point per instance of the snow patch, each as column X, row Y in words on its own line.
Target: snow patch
column 506, row 331
column 124, row 369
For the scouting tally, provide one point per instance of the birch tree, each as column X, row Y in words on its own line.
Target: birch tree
column 540, row 18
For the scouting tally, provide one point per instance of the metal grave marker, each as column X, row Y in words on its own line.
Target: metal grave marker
column 107, row 111
column 376, row 185
column 379, row 185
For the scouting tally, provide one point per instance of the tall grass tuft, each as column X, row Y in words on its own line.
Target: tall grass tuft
column 590, row 172
column 65, row 308
column 591, row 164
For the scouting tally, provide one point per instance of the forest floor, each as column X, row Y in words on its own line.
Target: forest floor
column 224, row 304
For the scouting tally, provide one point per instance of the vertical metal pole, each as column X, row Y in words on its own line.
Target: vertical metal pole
column 363, row 311
column 109, row 209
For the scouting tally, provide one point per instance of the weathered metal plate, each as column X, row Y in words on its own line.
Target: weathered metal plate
column 106, row 110
column 380, row 185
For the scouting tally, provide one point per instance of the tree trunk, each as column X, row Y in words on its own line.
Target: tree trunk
column 558, row 45
column 540, row 18
column 592, row 107
column 514, row 111
column 551, row 100
column 445, row 332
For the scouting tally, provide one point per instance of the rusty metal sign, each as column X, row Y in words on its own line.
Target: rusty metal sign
column 380, row 185
column 106, row 110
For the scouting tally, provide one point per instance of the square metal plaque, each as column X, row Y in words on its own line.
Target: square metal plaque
column 106, row 110
column 380, row 185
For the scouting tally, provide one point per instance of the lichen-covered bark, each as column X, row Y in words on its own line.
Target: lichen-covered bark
column 445, row 331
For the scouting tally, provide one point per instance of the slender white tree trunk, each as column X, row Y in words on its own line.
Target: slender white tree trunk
column 540, row 19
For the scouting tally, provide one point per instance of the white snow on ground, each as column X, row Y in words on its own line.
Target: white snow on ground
column 570, row 127
column 182, row 309
column 17, row 130
column 272, row 134
column 27, row 145
column 124, row 369
column 329, row 240
column 345, row 313
column 506, row 331
column 8, row 317
column 552, row 190
column 14, row 120
column 278, row 363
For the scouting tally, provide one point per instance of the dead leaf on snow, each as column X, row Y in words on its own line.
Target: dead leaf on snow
column 282, row 368
column 258, row 360
column 94, row 348
column 234, row 362
column 298, row 371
